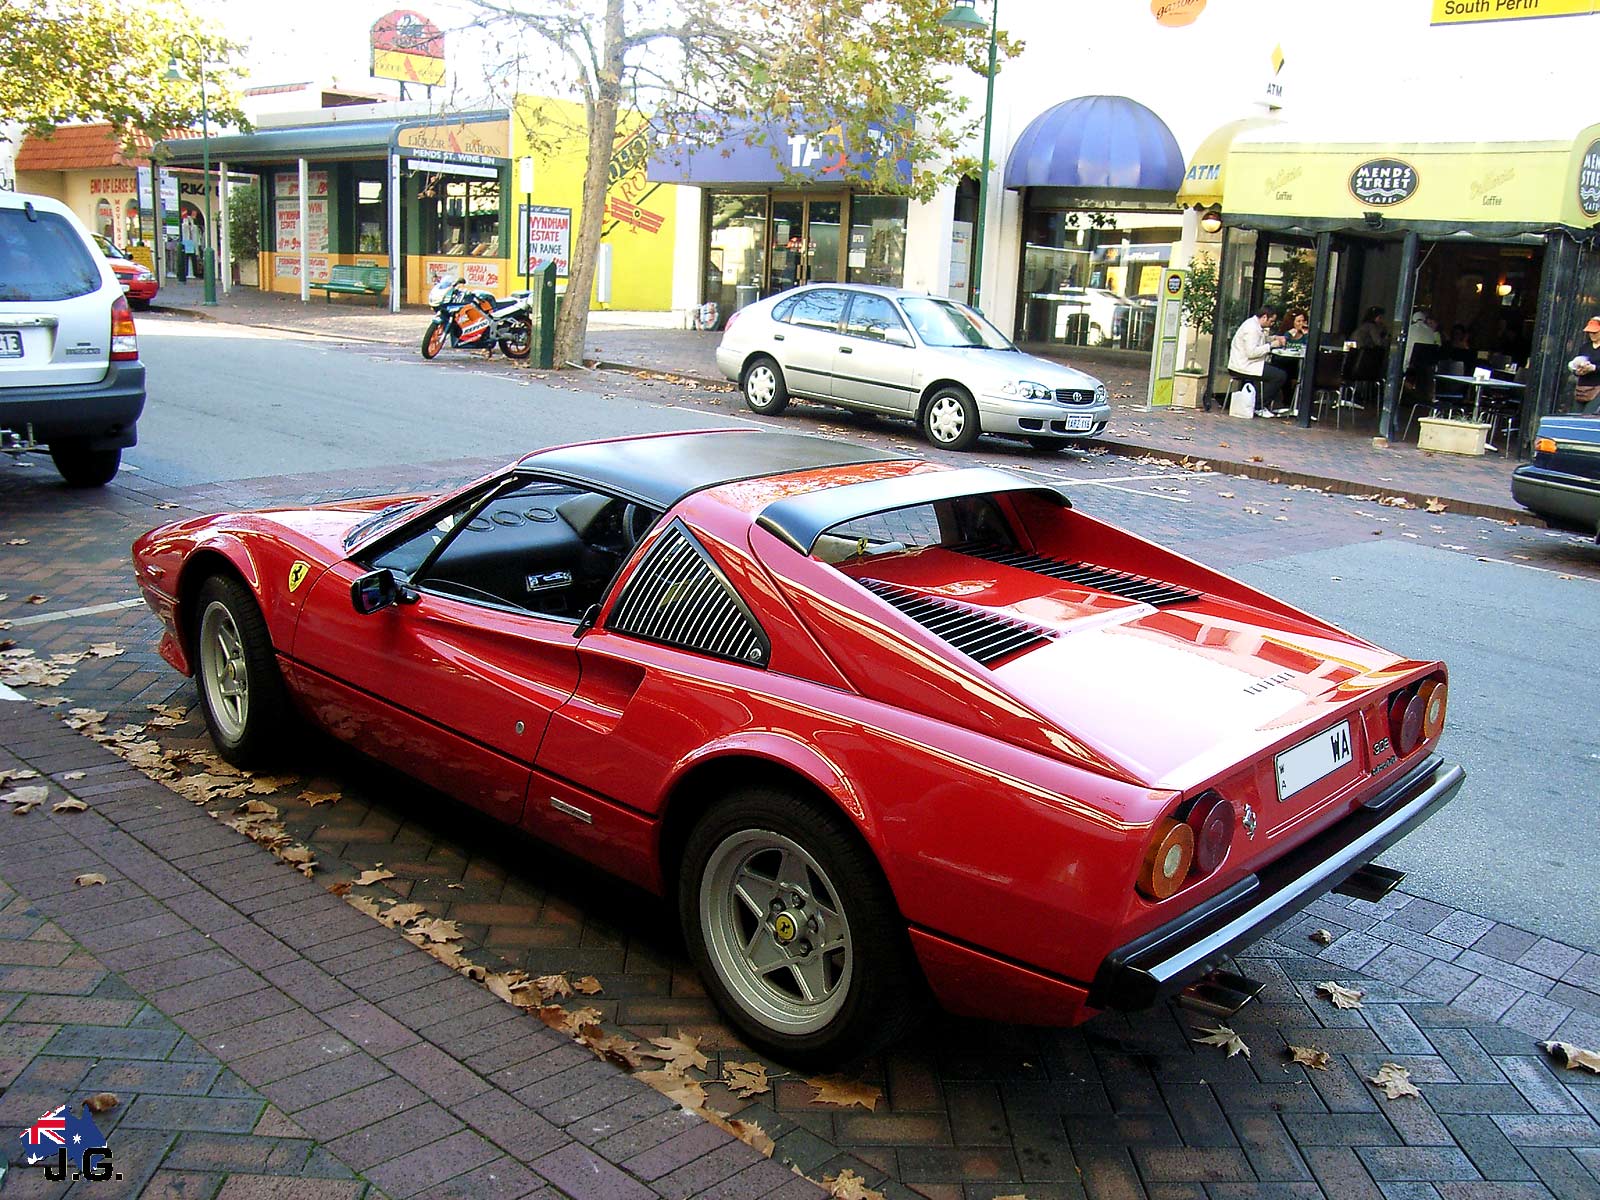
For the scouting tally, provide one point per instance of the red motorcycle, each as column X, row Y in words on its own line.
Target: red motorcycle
column 471, row 320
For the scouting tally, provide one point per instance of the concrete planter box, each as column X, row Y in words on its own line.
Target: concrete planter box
column 1186, row 389
column 247, row 272
column 1451, row 437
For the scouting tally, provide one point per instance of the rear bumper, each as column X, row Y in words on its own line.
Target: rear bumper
column 105, row 413
column 729, row 362
column 1168, row 958
column 1571, row 499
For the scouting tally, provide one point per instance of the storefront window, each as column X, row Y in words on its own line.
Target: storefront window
column 461, row 216
column 1235, row 291
column 738, row 244
column 1091, row 278
column 371, row 223
column 877, row 252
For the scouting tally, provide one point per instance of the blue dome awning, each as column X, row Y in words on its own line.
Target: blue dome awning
column 1099, row 144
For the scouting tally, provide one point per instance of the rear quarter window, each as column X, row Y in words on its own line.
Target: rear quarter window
column 44, row 258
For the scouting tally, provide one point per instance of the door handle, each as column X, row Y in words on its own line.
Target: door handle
column 846, row 350
column 777, row 337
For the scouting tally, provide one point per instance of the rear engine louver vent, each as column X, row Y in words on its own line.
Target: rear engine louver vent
column 1103, row 579
column 975, row 632
column 679, row 597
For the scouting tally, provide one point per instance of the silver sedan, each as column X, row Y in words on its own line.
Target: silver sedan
column 900, row 353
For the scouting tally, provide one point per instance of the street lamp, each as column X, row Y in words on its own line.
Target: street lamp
column 209, row 258
column 964, row 17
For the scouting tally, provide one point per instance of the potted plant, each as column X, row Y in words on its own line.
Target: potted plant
column 244, row 234
column 1199, row 309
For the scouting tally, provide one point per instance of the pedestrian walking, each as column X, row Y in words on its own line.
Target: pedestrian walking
column 1586, row 366
column 1249, row 355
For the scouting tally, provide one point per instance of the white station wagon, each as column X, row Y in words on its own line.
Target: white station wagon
column 886, row 350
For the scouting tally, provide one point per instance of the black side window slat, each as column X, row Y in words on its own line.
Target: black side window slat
column 677, row 596
column 977, row 633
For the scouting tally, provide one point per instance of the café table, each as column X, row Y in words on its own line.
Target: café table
column 1295, row 353
column 1478, row 385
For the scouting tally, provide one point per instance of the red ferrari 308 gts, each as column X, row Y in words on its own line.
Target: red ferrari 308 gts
column 870, row 722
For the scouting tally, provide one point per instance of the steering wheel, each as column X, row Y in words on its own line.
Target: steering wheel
column 636, row 522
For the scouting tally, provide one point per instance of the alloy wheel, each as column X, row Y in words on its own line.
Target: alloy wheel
column 223, row 670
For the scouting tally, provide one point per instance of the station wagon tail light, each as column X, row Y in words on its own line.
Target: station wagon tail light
column 1544, row 445
column 124, row 340
column 1167, row 859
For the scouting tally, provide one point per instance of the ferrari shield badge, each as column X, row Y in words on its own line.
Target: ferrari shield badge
column 297, row 573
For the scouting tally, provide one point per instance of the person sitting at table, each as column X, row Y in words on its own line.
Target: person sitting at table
column 1249, row 354
column 1372, row 333
column 1460, row 340
column 1299, row 329
column 1423, row 331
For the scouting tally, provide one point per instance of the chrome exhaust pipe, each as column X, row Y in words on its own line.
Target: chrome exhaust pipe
column 1371, row 883
column 1220, row 994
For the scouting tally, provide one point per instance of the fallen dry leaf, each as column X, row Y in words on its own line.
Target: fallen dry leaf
column 71, row 804
column 1572, row 1057
column 17, row 542
column 847, row 1185
column 1341, row 996
column 1323, row 937
column 680, row 1053
column 9, row 774
column 588, row 985
column 1436, row 505
column 437, row 931
column 401, row 914
column 376, row 875
column 1395, row 1081
column 745, row 1079
column 102, row 1102
column 84, row 718
column 89, row 880
column 553, row 987
column 72, row 775
column 1310, row 1056
column 675, row 1086
column 747, row 1132
column 342, row 888
column 1224, row 1036
column 313, row 799
column 36, row 598
column 612, row 1047
column 26, row 799
column 105, row 650
column 841, row 1092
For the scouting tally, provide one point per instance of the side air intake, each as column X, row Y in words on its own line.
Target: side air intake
column 976, row 633
column 1103, row 579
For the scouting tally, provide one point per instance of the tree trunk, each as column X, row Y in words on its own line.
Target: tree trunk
column 573, row 326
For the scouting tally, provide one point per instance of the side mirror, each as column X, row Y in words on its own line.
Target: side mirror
column 377, row 590
column 896, row 336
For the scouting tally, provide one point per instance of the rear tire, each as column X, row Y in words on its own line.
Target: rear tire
column 520, row 344
column 433, row 339
column 950, row 419
column 794, row 930
column 763, row 387
column 82, row 467
column 242, row 694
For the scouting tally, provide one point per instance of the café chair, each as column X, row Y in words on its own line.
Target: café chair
column 1327, row 380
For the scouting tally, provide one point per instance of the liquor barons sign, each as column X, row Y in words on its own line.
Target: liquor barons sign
column 1589, row 181
column 1381, row 182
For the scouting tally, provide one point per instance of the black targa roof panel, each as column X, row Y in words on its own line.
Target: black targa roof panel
column 801, row 520
column 662, row 470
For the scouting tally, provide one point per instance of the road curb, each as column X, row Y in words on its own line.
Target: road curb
column 218, row 318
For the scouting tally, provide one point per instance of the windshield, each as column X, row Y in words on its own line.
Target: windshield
column 379, row 522
column 946, row 323
column 108, row 248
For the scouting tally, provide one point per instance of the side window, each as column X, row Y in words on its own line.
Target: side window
column 948, row 523
column 782, row 309
column 541, row 546
column 679, row 597
column 820, row 309
column 875, row 317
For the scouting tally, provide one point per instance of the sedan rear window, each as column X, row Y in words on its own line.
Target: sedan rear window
column 43, row 258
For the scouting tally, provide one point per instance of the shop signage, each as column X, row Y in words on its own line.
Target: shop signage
column 749, row 153
column 1164, row 351
column 1589, row 181
column 1173, row 13
column 1382, row 182
column 112, row 185
column 408, row 47
column 1453, row 12
column 286, row 184
column 479, row 143
column 546, row 237
column 482, row 275
column 287, row 230
column 287, row 266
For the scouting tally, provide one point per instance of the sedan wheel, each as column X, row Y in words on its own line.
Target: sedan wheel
column 793, row 928
column 950, row 420
column 763, row 387
column 241, row 690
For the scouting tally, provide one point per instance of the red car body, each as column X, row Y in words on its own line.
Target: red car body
column 139, row 283
column 1010, row 804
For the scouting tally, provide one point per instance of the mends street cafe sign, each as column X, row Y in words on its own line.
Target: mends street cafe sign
column 1456, row 12
column 1383, row 182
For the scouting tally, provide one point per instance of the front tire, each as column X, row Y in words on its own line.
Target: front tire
column 433, row 339
column 763, row 387
column 520, row 344
column 794, row 930
column 241, row 690
column 950, row 419
column 82, row 467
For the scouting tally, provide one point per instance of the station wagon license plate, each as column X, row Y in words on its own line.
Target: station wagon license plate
column 1313, row 759
column 10, row 344
column 1078, row 421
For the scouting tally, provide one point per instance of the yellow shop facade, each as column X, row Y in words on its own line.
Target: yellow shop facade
column 345, row 186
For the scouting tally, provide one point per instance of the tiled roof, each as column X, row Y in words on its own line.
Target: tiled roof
column 80, row 147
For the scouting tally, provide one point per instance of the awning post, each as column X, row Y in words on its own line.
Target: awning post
column 1405, row 294
column 225, row 263
column 396, row 258
column 1319, row 300
column 305, row 266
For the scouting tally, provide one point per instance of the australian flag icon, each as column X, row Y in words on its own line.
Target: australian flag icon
column 57, row 1130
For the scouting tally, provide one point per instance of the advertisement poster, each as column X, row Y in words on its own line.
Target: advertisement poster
column 481, row 276
column 287, row 232
column 289, row 267
column 286, row 184
column 547, row 237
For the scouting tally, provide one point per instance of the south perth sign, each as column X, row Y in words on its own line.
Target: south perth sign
column 1452, row 12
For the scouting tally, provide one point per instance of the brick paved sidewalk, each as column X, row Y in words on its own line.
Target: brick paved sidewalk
column 257, row 1030
column 1339, row 460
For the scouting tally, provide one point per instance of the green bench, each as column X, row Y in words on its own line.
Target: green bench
column 355, row 281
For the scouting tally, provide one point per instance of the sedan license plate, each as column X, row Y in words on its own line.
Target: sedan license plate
column 10, row 344
column 1078, row 421
column 1313, row 759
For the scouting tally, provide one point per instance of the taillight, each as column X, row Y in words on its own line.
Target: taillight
column 728, row 324
column 1435, row 694
column 1213, row 820
column 1415, row 713
column 1167, row 860
column 124, row 340
column 1544, row 445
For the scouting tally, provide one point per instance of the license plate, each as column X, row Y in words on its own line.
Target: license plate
column 10, row 344
column 1313, row 759
column 1077, row 421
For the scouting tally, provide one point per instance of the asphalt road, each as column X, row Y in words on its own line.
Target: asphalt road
column 1515, row 612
